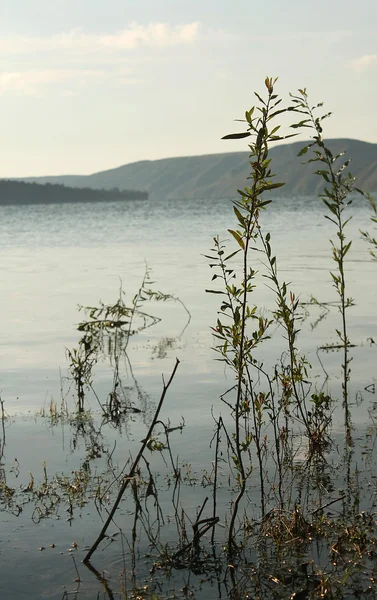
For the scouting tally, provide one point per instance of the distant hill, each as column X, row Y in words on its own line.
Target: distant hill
column 20, row 192
column 220, row 175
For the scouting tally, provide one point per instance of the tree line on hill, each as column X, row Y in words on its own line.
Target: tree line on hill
column 20, row 192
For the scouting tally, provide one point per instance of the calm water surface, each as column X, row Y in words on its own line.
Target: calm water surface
column 55, row 257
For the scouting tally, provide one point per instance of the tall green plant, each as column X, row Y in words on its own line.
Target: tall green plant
column 336, row 197
column 240, row 329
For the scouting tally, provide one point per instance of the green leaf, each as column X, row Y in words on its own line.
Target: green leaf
column 236, row 136
column 286, row 137
column 260, row 99
column 248, row 115
column 302, row 123
column 275, row 129
column 330, row 219
column 313, row 160
column 231, row 255
column 346, row 248
column 272, row 186
column 239, row 216
column 277, row 112
column 266, row 186
column 303, row 150
column 237, row 237
column 324, row 174
column 260, row 136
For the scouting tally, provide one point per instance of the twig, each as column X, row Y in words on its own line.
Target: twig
column 101, row 579
column 328, row 504
column 77, row 572
column 131, row 473
column 216, row 466
column 198, row 533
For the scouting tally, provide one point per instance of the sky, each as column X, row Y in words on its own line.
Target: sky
column 88, row 85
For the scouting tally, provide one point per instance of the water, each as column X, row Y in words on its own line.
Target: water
column 55, row 257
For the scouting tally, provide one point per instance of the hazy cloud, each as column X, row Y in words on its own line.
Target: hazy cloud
column 155, row 34
column 31, row 82
column 134, row 36
column 364, row 62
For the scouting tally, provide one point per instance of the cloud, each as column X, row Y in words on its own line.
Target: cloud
column 156, row 34
column 30, row 82
column 130, row 38
column 363, row 63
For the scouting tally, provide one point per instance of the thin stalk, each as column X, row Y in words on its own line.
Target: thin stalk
column 257, row 430
column 134, row 466
column 288, row 321
column 334, row 199
column 249, row 229
column 216, row 466
column 277, row 435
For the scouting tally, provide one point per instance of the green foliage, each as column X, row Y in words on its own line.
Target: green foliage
column 268, row 408
column 240, row 329
column 365, row 234
column 279, row 438
column 337, row 197
column 107, row 330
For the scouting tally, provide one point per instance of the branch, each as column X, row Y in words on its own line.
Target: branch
column 132, row 471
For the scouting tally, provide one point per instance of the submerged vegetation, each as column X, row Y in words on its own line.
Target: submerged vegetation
column 283, row 509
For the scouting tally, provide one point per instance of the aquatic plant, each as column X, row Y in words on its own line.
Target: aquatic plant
column 339, row 186
column 275, row 413
column 107, row 330
column 240, row 329
column 280, row 512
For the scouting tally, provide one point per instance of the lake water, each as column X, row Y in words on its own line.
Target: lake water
column 53, row 258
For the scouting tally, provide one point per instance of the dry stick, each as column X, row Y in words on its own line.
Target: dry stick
column 328, row 504
column 2, row 440
column 198, row 533
column 102, row 579
column 219, row 425
column 133, row 468
column 77, row 572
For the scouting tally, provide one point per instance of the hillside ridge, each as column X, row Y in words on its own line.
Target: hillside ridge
column 220, row 175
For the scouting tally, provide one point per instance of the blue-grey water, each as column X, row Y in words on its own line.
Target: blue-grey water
column 53, row 258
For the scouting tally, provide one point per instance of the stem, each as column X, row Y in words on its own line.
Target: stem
column 132, row 471
column 257, row 430
column 334, row 199
column 250, row 226
column 214, row 510
column 288, row 321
